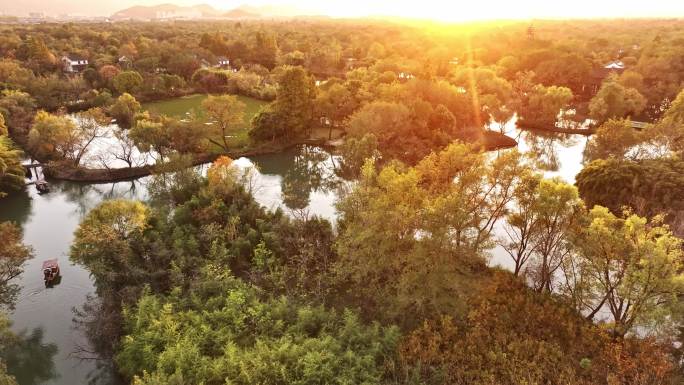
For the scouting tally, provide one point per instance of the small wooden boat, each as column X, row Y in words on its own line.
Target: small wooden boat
column 50, row 271
column 42, row 187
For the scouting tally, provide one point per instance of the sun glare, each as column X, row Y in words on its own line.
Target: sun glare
column 458, row 11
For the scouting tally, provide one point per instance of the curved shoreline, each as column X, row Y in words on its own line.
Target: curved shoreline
column 573, row 131
column 59, row 171
column 492, row 141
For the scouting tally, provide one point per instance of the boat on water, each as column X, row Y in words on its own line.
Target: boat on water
column 42, row 187
column 51, row 272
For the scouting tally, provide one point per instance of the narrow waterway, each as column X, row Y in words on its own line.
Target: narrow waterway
column 302, row 181
column 43, row 316
column 52, row 349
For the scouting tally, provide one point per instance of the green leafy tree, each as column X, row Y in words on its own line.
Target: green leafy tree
column 566, row 70
column 408, row 237
column 490, row 95
column 211, row 80
column 18, row 109
column 12, row 174
column 265, row 50
column 127, row 82
column 266, row 126
column 648, row 187
column 290, row 116
column 387, row 122
column 7, row 338
column 614, row 138
column 629, row 266
column 164, row 135
column 224, row 332
column 53, row 92
column 52, row 136
column 183, row 65
column 92, row 77
column 149, row 135
column 614, row 101
column 124, row 110
column 227, row 114
column 356, row 151
column 294, row 102
column 543, row 105
column 334, row 105
column 539, row 228
column 669, row 131
column 103, row 240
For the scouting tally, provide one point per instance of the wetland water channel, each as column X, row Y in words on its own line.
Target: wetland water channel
column 300, row 180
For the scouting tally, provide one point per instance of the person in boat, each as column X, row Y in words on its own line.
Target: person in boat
column 50, row 271
column 42, row 187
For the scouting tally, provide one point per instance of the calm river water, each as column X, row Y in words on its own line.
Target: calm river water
column 301, row 180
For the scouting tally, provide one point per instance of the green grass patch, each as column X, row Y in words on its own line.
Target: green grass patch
column 180, row 107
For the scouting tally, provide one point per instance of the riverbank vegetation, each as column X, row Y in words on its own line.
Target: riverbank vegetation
column 201, row 284
column 13, row 255
column 638, row 169
column 207, row 285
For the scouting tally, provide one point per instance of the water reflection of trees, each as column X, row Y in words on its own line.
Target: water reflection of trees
column 86, row 196
column 15, row 208
column 100, row 322
column 305, row 170
column 29, row 359
column 545, row 147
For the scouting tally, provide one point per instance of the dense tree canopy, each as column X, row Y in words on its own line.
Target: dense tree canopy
column 209, row 336
column 127, row 82
column 513, row 336
column 407, row 235
column 614, row 101
column 630, row 266
column 201, row 284
column 542, row 106
column 649, row 187
column 12, row 174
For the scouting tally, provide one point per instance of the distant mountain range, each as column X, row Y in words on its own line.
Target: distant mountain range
column 204, row 11
column 238, row 13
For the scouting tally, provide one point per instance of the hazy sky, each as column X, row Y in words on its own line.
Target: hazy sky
column 448, row 10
